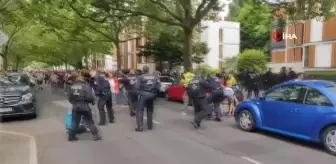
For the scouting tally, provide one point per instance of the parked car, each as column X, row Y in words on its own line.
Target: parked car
column 300, row 109
column 165, row 82
column 17, row 96
column 175, row 92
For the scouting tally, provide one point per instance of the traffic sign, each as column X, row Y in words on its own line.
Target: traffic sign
column 3, row 38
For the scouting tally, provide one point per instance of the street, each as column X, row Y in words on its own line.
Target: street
column 173, row 141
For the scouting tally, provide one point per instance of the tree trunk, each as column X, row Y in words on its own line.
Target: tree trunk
column 187, row 63
column 86, row 61
column 17, row 64
column 5, row 62
column 119, row 60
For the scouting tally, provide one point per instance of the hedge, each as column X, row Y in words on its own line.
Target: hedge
column 320, row 75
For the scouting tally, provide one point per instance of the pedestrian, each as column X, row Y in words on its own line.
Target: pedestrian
column 103, row 92
column 299, row 77
column 80, row 95
column 186, row 78
column 197, row 90
column 252, row 83
column 129, row 82
column 147, row 87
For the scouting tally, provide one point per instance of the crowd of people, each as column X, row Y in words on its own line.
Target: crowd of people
column 138, row 90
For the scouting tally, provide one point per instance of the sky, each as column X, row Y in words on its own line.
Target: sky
column 226, row 8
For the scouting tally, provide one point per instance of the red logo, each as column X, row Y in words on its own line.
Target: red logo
column 276, row 35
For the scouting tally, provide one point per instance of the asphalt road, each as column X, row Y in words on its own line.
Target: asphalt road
column 44, row 141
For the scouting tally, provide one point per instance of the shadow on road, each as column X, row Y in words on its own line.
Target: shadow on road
column 16, row 118
column 287, row 139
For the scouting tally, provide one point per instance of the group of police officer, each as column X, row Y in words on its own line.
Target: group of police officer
column 142, row 89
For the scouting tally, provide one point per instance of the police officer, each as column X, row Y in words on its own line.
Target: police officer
column 216, row 96
column 129, row 82
column 197, row 90
column 103, row 91
column 147, row 87
column 80, row 95
column 252, row 83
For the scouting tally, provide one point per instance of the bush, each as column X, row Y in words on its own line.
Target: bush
column 252, row 58
column 320, row 75
column 205, row 70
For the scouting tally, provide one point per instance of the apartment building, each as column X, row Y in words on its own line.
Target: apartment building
column 105, row 62
column 314, row 48
column 129, row 47
column 223, row 39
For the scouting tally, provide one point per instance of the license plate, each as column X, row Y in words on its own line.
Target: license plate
column 2, row 110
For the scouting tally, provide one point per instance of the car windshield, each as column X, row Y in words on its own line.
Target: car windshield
column 166, row 79
column 6, row 80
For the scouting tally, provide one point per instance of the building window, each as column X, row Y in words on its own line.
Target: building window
column 220, row 50
column 306, row 57
column 220, row 35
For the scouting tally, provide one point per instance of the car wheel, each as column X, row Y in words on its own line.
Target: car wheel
column 167, row 96
column 246, row 121
column 329, row 139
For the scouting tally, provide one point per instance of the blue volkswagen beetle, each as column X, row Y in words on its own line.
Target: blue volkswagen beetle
column 302, row 109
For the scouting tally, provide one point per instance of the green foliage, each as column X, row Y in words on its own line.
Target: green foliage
column 320, row 75
column 252, row 59
column 184, row 14
column 255, row 19
column 205, row 70
column 230, row 64
column 48, row 33
column 168, row 46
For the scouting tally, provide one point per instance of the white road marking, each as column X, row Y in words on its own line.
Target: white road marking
column 32, row 145
column 251, row 160
column 155, row 122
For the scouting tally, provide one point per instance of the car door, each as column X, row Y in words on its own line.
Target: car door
column 278, row 105
column 315, row 106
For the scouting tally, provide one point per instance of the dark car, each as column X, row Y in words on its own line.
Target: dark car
column 17, row 96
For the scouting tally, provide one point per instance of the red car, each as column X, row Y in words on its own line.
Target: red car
column 175, row 92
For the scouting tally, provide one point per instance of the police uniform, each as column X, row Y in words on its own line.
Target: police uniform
column 129, row 82
column 197, row 90
column 147, row 87
column 102, row 89
column 80, row 95
column 216, row 96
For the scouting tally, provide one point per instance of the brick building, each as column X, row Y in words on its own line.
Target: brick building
column 129, row 47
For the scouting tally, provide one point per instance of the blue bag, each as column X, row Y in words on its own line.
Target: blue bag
column 68, row 120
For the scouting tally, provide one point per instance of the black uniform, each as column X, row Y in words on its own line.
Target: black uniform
column 252, row 84
column 129, row 84
column 216, row 96
column 147, row 87
column 80, row 95
column 103, row 91
column 197, row 90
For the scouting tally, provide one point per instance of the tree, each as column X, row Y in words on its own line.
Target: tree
column 255, row 19
column 12, row 23
column 252, row 59
column 71, row 36
column 185, row 14
column 301, row 10
column 169, row 47
column 234, row 9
